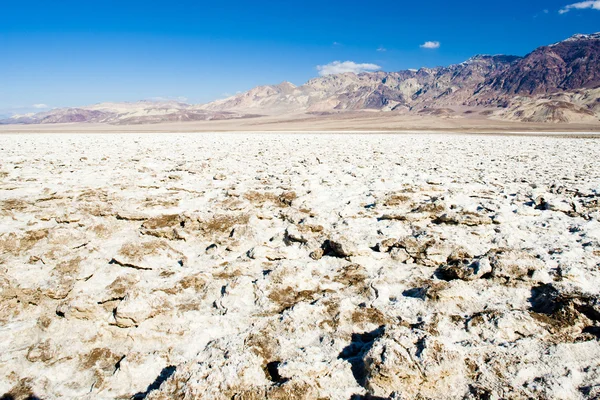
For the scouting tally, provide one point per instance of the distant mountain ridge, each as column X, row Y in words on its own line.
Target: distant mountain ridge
column 568, row 65
column 141, row 112
column 387, row 91
column 555, row 83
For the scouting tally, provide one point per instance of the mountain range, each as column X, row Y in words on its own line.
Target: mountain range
column 554, row 83
column 141, row 112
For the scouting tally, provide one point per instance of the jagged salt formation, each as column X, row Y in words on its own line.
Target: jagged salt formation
column 299, row 266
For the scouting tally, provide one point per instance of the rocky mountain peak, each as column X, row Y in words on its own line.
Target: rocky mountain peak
column 497, row 58
column 579, row 37
column 286, row 85
column 568, row 65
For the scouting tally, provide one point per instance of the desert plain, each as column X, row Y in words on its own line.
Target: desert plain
column 348, row 121
column 299, row 266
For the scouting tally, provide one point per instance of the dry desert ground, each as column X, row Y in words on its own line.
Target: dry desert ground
column 358, row 121
column 306, row 266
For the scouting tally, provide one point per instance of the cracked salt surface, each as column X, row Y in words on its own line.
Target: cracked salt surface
column 299, row 266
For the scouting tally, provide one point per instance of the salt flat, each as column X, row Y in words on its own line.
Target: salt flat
column 303, row 266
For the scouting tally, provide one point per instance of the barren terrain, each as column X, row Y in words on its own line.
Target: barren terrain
column 360, row 121
column 308, row 266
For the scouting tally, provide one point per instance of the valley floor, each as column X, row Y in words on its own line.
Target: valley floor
column 304, row 266
column 340, row 122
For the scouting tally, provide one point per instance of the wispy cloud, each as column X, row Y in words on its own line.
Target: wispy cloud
column 337, row 44
column 338, row 67
column 592, row 4
column 431, row 45
column 21, row 109
column 381, row 49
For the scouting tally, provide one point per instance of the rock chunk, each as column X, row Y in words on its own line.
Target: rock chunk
column 513, row 264
column 341, row 246
column 138, row 306
column 414, row 364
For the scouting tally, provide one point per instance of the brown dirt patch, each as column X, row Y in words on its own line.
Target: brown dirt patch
column 223, row 223
column 285, row 199
column 137, row 251
column 14, row 205
column 288, row 297
column 163, row 221
column 102, row 358
column 396, row 199
column 368, row 315
column 13, row 244
column 197, row 282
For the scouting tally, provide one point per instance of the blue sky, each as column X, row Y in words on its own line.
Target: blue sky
column 69, row 53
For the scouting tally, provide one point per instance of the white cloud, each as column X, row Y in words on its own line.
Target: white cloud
column 381, row 49
column 338, row 67
column 337, row 44
column 593, row 4
column 430, row 45
column 40, row 106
